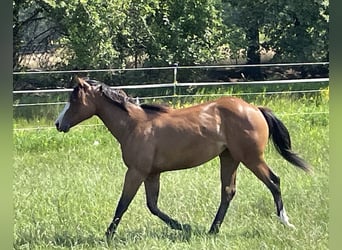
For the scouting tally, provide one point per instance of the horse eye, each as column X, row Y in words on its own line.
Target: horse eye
column 74, row 95
column 72, row 98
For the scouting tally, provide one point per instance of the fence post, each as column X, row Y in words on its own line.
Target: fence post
column 175, row 65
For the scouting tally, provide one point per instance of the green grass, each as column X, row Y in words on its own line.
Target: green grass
column 66, row 189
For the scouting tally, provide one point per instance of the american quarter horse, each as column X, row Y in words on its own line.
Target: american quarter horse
column 156, row 138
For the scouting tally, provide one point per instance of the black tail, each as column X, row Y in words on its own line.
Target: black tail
column 281, row 139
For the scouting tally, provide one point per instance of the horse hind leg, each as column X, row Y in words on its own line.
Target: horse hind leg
column 265, row 174
column 228, row 189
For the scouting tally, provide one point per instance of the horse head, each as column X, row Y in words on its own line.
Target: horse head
column 80, row 107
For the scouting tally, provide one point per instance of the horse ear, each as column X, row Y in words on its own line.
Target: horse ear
column 82, row 83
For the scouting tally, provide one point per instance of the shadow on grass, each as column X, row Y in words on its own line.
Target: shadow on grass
column 120, row 240
column 160, row 233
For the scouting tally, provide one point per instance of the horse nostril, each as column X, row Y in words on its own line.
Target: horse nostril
column 57, row 124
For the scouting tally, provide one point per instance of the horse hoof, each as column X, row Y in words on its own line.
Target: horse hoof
column 186, row 228
column 214, row 230
column 109, row 236
column 288, row 224
column 285, row 219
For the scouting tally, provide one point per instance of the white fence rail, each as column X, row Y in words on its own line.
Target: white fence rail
column 175, row 84
column 173, row 67
column 185, row 84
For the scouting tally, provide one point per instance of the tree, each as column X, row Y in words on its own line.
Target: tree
column 87, row 30
column 186, row 32
column 113, row 33
column 107, row 34
column 32, row 29
column 297, row 31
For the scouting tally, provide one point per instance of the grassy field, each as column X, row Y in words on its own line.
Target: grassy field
column 66, row 187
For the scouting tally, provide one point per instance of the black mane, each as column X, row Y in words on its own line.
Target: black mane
column 154, row 108
column 116, row 96
column 120, row 98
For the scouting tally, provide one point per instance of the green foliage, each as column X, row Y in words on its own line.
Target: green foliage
column 186, row 32
column 117, row 33
column 112, row 33
column 87, row 30
column 297, row 31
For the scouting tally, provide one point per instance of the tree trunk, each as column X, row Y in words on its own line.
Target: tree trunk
column 253, row 53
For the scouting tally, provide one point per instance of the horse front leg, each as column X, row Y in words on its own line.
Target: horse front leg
column 152, row 186
column 133, row 180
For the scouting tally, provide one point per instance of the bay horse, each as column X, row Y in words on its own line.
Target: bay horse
column 156, row 138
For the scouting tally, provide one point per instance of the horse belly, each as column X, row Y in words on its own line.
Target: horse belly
column 176, row 157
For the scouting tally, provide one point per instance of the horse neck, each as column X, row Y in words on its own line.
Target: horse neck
column 117, row 120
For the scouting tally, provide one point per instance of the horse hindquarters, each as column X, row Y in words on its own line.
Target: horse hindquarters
column 247, row 145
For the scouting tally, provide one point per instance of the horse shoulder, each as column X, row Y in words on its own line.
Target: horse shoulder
column 138, row 149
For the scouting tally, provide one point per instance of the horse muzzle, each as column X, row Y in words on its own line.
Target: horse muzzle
column 62, row 128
